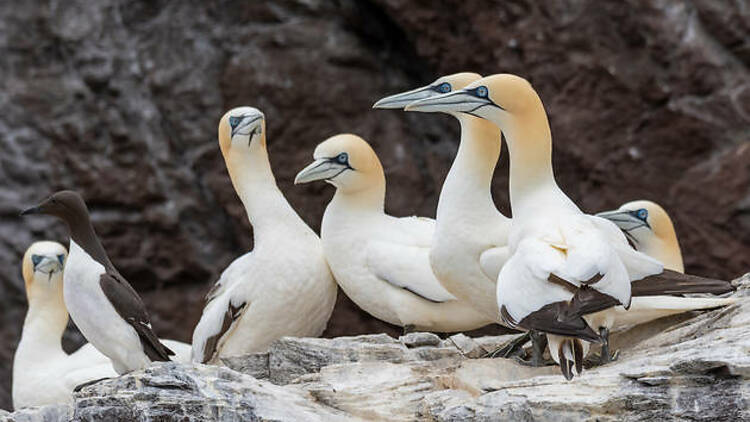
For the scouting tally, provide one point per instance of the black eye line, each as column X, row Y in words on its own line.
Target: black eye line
column 644, row 220
column 489, row 103
column 335, row 160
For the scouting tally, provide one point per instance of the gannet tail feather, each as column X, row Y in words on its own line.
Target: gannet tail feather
column 570, row 352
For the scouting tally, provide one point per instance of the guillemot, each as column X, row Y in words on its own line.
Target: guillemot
column 283, row 287
column 103, row 305
column 380, row 261
column 564, row 265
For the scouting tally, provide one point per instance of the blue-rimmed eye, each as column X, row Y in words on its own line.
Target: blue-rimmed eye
column 444, row 87
column 61, row 258
column 342, row 158
column 642, row 214
column 481, row 91
column 36, row 259
column 234, row 121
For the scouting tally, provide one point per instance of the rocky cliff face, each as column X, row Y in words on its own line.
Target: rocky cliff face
column 689, row 367
column 120, row 99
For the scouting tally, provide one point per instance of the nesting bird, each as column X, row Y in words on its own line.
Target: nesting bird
column 380, row 261
column 564, row 265
column 103, row 305
column 283, row 287
column 42, row 372
column 650, row 230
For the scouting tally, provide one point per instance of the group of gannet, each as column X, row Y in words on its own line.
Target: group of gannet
column 566, row 277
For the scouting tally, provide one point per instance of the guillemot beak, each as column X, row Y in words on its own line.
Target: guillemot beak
column 32, row 210
column 457, row 101
column 320, row 169
column 405, row 98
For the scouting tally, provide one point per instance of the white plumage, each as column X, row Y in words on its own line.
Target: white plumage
column 283, row 287
column 380, row 261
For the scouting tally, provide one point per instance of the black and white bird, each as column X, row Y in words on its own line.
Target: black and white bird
column 103, row 305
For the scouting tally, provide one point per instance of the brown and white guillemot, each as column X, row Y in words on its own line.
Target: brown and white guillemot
column 103, row 305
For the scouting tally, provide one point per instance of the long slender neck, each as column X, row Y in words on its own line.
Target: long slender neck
column 45, row 321
column 470, row 177
column 252, row 178
column 530, row 147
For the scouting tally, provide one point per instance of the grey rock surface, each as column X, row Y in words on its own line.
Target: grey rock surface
column 693, row 367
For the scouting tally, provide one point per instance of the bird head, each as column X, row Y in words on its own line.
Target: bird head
column 442, row 85
column 42, row 267
column 241, row 130
column 66, row 205
column 345, row 161
column 496, row 98
column 641, row 221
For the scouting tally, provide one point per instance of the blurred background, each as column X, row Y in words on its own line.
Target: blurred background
column 120, row 100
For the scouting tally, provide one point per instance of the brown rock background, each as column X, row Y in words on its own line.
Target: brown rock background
column 120, row 100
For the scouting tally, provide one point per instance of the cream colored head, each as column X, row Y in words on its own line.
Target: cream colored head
column 42, row 269
column 347, row 162
column 242, row 130
column 442, row 85
column 496, row 98
column 648, row 227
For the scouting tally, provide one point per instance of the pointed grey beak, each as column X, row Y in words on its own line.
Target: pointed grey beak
column 625, row 220
column 46, row 264
column 452, row 102
column 320, row 169
column 248, row 126
column 405, row 98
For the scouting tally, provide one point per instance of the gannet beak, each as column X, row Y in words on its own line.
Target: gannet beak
column 45, row 264
column 625, row 220
column 249, row 126
column 452, row 102
column 405, row 98
column 320, row 169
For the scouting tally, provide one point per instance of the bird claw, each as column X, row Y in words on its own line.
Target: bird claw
column 599, row 359
column 534, row 362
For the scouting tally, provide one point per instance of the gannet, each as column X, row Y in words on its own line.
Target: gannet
column 471, row 235
column 563, row 264
column 281, row 288
column 650, row 230
column 103, row 305
column 380, row 261
column 42, row 372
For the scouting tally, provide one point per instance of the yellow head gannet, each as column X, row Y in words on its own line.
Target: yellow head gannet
column 281, row 288
column 471, row 235
column 650, row 230
column 42, row 372
column 563, row 264
column 381, row 262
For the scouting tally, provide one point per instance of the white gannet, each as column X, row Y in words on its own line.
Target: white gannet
column 103, row 305
column 283, row 287
column 42, row 372
column 471, row 235
column 649, row 230
column 380, row 261
column 564, row 264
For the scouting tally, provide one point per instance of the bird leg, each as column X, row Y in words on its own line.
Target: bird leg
column 538, row 344
column 80, row 387
column 511, row 348
column 604, row 357
column 409, row 328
